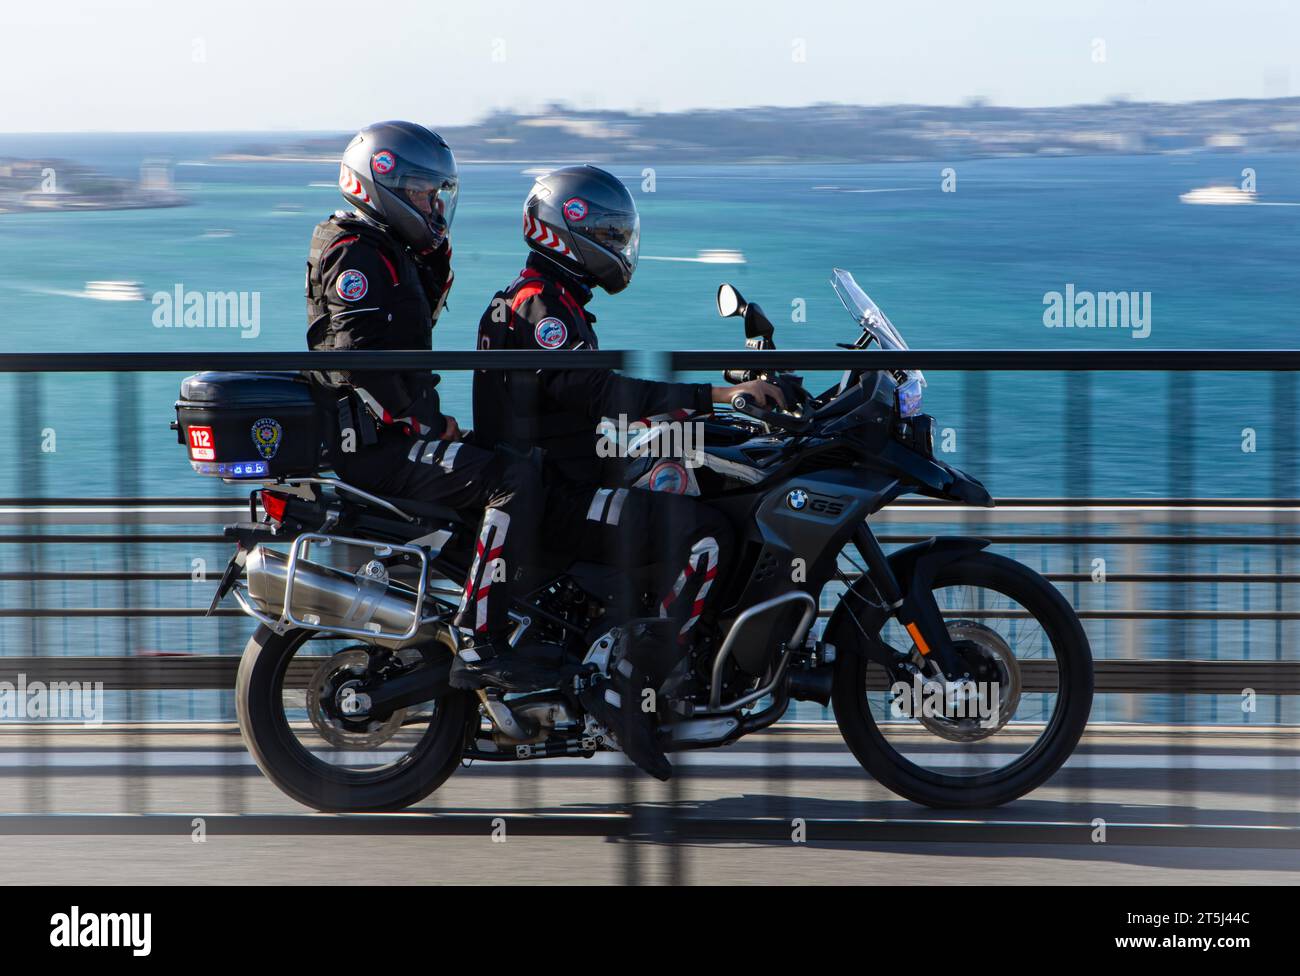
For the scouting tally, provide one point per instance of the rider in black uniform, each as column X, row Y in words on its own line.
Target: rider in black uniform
column 583, row 229
column 377, row 278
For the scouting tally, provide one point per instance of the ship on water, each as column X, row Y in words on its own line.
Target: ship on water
column 1218, row 196
column 114, row 291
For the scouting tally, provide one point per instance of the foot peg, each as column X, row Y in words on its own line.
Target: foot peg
column 615, row 702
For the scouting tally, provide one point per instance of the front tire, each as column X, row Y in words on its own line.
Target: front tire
column 300, row 773
column 934, row 788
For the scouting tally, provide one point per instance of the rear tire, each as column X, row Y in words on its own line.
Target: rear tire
column 259, row 702
column 933, row 789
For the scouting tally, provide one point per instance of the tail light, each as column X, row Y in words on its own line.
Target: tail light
column 273, row 505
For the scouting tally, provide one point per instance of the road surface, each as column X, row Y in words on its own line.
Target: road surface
column 1180, row 805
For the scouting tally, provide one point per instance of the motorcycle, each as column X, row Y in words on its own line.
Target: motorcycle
column 958, row 677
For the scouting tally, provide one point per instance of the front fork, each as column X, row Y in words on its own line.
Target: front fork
column 910, row 599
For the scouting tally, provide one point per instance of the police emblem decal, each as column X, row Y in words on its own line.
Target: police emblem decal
column 668, row 476
column 266, row 437
column 551, row 333
column 352, row 285
column 575, row 208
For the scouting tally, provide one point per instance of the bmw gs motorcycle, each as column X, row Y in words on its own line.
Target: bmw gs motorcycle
column 959, row 678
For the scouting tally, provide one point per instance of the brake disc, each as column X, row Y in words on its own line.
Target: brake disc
column 338, row 710
column 993, row 666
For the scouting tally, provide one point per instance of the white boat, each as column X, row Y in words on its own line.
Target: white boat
column 1218, row 195
column 114, row 291
column 712, row 256
column 720, row 256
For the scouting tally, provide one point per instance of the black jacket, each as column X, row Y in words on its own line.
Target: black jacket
column 558, row 410
column 366, row 291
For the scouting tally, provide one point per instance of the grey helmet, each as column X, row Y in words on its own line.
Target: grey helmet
column 584, row 220
column 403, row 176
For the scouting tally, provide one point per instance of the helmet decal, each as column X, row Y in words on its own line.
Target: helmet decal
column 352, row 285
column 383, row 162
column 350, row 184
column 551, row 333
column 535, row 230
column 575, row 208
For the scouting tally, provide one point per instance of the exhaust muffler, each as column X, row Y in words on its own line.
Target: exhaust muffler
column 361, row 604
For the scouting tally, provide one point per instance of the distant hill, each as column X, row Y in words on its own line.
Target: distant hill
column 848, row 133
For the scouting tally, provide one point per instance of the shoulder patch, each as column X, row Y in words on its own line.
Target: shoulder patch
column 351, row 285
column 551, row 333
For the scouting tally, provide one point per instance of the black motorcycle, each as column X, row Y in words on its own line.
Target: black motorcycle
column 959, row 677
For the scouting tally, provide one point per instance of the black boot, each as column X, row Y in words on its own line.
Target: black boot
column 616, row 704
column 495, row 664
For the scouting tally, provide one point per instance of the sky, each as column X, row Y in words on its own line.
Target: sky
column 149, row 65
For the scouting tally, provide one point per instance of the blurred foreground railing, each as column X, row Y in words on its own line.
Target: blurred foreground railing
column 1181, row 596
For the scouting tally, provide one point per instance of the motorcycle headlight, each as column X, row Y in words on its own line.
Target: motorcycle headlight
column 909, row 397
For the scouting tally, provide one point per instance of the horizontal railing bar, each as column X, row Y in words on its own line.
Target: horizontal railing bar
column 126, row 501
column 180, row 575
column 98, row 575
column 117, row 537
column 1112, row 676
column 1107, row 502
column 56, row 612
column 241, row 501
column 1188, row 615
column 1208, row 578
column 386, row 359
column 996, row 539
column 1117, row 540
column 1062, row 360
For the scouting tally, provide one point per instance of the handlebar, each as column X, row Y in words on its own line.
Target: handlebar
column 773, row 418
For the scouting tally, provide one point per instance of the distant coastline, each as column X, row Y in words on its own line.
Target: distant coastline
column 842, row 133
column 34, row 185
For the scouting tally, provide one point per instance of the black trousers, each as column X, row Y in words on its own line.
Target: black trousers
column 682, row 543
column 462, row 476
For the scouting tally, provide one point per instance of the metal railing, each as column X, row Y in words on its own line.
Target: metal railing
column 1057, row 532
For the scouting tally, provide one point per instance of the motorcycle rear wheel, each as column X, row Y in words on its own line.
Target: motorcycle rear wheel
column 299, row 771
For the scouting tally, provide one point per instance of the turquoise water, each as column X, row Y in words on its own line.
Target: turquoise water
column 954, row 270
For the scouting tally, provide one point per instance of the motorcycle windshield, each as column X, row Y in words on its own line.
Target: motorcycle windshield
column 870, row 318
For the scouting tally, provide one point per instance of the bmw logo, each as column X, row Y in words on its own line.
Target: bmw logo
column 797, row 499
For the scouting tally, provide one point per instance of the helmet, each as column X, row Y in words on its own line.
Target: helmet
column 403, row 176
column 584, row 220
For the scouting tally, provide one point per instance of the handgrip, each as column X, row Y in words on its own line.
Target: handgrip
column 742, row 404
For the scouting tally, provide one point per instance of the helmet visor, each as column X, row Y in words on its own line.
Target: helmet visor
column 617, row 231
column 432, row 195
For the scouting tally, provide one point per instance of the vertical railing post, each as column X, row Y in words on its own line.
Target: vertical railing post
column 28, row 437
column 126, row 393
column 1077, row 420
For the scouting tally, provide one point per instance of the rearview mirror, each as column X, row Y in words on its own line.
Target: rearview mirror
column 730, row 301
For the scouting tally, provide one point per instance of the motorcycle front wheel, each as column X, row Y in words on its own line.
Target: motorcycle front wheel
column 310, row 736
column 1028, row 701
